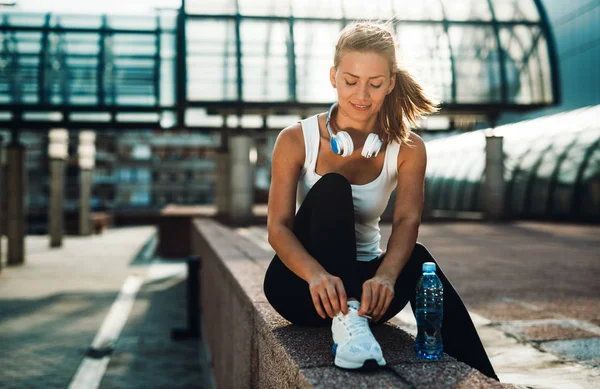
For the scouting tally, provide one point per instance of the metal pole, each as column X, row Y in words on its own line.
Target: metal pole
column 56, row 210
column 193, row 296
column 58, row 152
column 15, row 201
column 181, row 76
column 2, row 186
column 193, row 303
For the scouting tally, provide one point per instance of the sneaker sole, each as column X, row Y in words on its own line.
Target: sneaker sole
column 368, row 364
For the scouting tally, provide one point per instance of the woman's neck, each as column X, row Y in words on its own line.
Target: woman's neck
column 341, row 122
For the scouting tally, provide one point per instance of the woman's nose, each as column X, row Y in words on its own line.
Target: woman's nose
column 363, row 93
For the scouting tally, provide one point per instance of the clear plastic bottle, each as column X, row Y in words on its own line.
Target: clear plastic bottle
column 429, row 314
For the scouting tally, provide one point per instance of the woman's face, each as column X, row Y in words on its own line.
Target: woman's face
column 362, row 81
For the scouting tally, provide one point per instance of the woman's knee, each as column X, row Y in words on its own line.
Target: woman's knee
column 332, row 186
column 268, row 287
column 334, row 180
column 296, row 312
column 420, row 255
column 271, row 282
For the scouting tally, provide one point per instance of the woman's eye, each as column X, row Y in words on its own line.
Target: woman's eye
column 350, row 83
column 376, row 86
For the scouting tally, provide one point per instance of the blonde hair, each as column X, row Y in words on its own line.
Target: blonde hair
column 407, row 102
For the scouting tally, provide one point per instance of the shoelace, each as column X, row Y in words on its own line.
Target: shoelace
column 358, row 325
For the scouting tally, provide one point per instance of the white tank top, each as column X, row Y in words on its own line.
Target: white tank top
column 370, row 200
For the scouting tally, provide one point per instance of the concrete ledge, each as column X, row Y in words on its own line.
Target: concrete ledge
column 253, row 347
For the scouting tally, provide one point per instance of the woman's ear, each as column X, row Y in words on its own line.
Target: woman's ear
column 392, row 83
column 332, row 76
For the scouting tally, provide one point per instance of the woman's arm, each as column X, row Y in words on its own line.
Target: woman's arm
column 327, row 291
column 408, row 208
column 379, row 291
column 288, row 159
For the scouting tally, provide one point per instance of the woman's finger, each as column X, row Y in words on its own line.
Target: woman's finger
column 342, row 295
column 333, row 299
column 326, row 303
column 317, row 303
column 388, row 300
column 383, row 291
column 375, row 296
column 366, row 299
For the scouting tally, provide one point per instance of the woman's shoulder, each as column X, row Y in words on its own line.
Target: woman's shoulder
column 290, row 143
column 291, row 135
column 413, row 151
column 295, row 133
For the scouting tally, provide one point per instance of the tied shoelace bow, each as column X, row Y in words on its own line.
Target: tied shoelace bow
column 357, row 326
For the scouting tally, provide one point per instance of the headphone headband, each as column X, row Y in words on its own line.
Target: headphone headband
column 329, row 119
column 342, row 144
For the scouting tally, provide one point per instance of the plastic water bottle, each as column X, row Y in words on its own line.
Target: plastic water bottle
column 429, row 313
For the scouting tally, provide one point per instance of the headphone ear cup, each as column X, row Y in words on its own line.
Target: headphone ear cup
column 335, row 145
column 346, row 143
column 372, row 146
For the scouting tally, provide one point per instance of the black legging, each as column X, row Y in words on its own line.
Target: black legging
column 324, row 225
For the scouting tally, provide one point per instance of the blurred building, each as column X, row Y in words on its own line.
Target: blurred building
column 134, row 171
column 551, row 169
column 186, row 103
column 166, row 167
column 576, row 29
column 552, row 155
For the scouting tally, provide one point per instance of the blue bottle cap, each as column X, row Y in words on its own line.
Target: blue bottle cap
column 429, row 267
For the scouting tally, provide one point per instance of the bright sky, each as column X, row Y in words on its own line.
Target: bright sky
column 96, row 6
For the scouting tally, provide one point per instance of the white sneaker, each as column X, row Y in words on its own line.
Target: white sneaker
column 354, row 346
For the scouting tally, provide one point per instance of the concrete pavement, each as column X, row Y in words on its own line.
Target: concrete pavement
column 53, row 306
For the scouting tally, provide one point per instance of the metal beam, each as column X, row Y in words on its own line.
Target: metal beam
column 287, row 107
column 157, row 62
column 101, row 99
column 261, row 108
column 225, row 60
column 57, row 29
column 238, row 54
column 43, row 62
column 291, row 51
column 181, row 67
column 532, row 50
column 340, row 20
column 451, row 51
column 552, row 52
column 501, row 55
column 71, row 108
column 266, row 61
column 12, row 52
column 43, row 125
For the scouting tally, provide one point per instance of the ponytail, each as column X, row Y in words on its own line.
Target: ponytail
column 401, row 109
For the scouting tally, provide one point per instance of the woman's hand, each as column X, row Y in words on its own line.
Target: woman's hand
column 328, row 294
column 377, row 294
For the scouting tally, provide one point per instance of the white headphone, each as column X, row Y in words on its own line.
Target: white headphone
column 341, row 143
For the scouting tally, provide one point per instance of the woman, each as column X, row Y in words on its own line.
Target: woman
column 329, row 268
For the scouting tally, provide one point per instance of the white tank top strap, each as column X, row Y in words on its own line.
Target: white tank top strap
column 310, row 130
column 392, row 160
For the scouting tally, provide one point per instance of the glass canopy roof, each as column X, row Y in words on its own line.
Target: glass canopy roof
column 260, row 57
column 551, row 167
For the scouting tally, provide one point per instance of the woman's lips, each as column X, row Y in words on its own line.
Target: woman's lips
column 360, row 107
